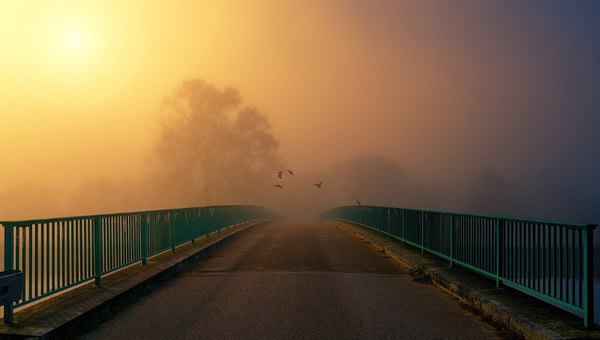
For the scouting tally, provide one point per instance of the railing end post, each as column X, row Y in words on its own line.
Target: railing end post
column 588, row 313
column 98, row 251
column 144, row 236
column 8, row 314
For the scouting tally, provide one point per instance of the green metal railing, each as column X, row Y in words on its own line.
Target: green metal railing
column 550, row 260
column 57, row 254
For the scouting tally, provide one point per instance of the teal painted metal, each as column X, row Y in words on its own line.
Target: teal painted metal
column 97, row 229
column 550, row 260
column 144, row 240
column 8, row 265
column 57, row 254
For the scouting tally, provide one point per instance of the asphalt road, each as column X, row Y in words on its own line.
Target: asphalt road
column 295, row 281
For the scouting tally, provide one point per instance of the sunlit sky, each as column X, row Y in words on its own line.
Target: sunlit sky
column 443, row 87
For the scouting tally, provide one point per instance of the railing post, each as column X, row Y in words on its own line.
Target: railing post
column 389, row 217
column 144, row 239
column 422, row 232
column 402, row 226
column 195, row 225
column 499, row 252
column 98, row 251
column 172, row 223
column 8, row 265
column 451, row 240
column 588, row 275
column 378, row 219
column 363, row 215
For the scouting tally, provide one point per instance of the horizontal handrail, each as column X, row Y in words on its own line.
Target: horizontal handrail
column 56, row 254
column 548, row 259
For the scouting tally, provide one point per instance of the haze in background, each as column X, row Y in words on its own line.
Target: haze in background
column 485, row 107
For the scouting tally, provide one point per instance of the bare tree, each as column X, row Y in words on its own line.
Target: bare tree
column 211, row 152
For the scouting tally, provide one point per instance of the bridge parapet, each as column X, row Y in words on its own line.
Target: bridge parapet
column 547, row 259
column 57, row 254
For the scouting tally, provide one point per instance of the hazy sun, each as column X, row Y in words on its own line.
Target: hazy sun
column 74, row 39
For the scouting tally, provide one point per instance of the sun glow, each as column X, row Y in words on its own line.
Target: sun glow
column 74, row 39
column 71, row 53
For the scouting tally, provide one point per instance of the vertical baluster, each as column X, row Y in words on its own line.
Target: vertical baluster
column 422, row 231
column 128, row 245
column 451, row 242
column 45, row 266
column 62, row 254
column 472, row 253
column 544, row 255
column 112, row 243
column 85, row 249
column 9, row 247
column 499, row 248
column 588, row 275
column 78, row 250
column 572, row 265
column 66, row 254
column 118, row 241
column 51, row 251
column 144, row 242
column 536, row 259
column 525, row 254
column 518, row 250
column 20, row 259
column 43, row 260
column 559, row 264
column 32, row 282
column 581, row 260
column 555, row 260
column 90, row 249
column 71, row 250
column 98, row 251
column 38, row 260
column 491, row 245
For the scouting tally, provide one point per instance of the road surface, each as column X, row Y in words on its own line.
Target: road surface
column 295, row 281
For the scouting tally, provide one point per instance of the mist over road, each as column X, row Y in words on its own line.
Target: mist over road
column 295, row 281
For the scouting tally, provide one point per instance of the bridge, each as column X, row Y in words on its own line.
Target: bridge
column 303, row 279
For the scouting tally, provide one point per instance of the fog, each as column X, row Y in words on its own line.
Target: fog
column 466, row 106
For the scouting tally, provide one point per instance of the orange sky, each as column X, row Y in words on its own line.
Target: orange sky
column 429, row 84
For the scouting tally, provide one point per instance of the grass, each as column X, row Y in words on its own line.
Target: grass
column 419, row 274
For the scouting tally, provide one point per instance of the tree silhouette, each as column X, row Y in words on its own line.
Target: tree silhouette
column 491, row 195
column 372, row 179
column 211, row 152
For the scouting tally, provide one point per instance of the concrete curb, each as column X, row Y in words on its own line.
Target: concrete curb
column 498, row 312
column 70, row 327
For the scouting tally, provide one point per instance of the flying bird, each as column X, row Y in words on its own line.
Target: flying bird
column 318, row 185
column 357, row 201
column 279, row 174
column 291, row 172
column 279, row 186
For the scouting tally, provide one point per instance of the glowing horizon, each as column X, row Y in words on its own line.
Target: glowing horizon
column 457, row 87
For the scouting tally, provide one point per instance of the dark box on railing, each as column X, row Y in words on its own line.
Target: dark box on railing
column 11, row 283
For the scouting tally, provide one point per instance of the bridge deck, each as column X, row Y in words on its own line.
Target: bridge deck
column 61, row 314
